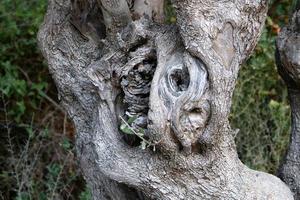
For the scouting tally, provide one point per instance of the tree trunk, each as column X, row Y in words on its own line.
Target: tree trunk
column 119, row 69
column 288, row 62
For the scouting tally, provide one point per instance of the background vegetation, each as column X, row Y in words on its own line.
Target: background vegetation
column 37, row 159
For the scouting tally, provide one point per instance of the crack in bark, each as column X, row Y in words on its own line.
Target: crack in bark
column 136, row 83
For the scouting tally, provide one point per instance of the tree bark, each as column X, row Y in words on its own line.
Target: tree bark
column 288, row 62
column 114, row 61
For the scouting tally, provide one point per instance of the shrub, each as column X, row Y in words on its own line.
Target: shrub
column 36, row 146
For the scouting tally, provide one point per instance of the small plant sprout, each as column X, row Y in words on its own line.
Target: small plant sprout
column 140, row 133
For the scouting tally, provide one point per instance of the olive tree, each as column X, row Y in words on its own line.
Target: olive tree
column 288, row 62
column 150, row 101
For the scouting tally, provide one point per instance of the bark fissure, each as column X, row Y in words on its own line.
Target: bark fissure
column 136, row 81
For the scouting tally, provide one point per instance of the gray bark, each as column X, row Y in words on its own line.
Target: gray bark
column 101, row 63
column 288, row 62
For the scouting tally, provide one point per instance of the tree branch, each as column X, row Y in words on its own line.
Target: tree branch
column 116, row 14
column 222, row 35
column 287, row 57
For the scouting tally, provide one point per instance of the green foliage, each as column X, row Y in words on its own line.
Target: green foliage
column 170, row 15
column 126, row 127
column 86, row 194
column 36, row 152
column 21, row 67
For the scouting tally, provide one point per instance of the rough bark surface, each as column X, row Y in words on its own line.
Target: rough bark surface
column 113, row 59
column 288, row 62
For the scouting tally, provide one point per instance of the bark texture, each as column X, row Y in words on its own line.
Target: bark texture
column 288, row 62
column 114, row 61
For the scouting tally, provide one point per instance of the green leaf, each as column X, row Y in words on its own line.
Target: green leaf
column 86, row 194
column 141, row 132
column 66, row 144
column 274, row 104
column 21, row 107
column 131, row 119
column 125, row 129
column 54, row 170
column 30, row 131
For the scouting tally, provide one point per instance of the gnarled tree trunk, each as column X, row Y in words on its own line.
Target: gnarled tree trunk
column 118, row 68
column 288, row 62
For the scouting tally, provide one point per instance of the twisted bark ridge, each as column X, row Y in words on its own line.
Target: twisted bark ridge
column 288, row 62
column 115, row 62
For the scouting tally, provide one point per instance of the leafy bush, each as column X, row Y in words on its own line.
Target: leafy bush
column 23, row 75
column 36, row 148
